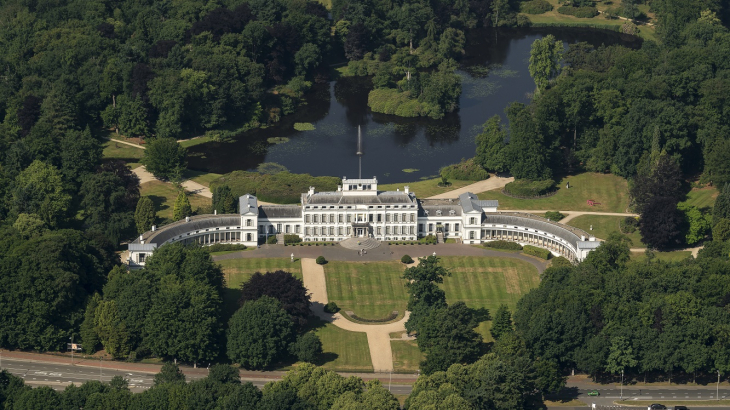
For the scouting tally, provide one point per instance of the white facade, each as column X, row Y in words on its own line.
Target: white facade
column 358, row 209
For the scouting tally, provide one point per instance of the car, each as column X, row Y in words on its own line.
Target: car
column 594, row 393
column 657, row 407
column 680, row 408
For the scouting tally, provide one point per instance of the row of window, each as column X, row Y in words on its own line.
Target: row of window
column 445, row 227
column 369, row 207
column 324, row 218
column 263, row 229
column 395, row 230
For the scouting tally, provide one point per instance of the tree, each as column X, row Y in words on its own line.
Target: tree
column 721, row 230
column 170, row 373
column 424, row 294
column 491, row 149
column 223, row 373
column 29, row 225
column 306, row 59
column 447, row 336
column 132, row 117
column 89, row 337
column 527, row 153
column 660, row 177
column 111, row 330
column 660, row 223
column 697, row 225
column 164, row 158
column 182, row 206
column 223, row 200
column 40, row 190
column 502, row 322
column 259, row 333
column 307, row 347
column 145, row 215
column 108, row 203
column 285, row 288
column 721, row 209
column 545, row 57
column 80, row 154
column 620, row 356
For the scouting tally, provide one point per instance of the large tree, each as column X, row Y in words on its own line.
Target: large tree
column 285, row 288
column 40, row 190
column 424, row 295
column 491, row 148
column 145, row 215
column 447, row 336
column 545, row 58
column 164, row 158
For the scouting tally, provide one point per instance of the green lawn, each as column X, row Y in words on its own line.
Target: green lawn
column 609, row 190
column 425, row 188
column 406, row 356
column 237, row 271
column 164, row 195
column 203, row 178
column 604, row 225
column 116, row 150
column 674, row 256
column 702, row 198
column 370, row 289
column 344, row 350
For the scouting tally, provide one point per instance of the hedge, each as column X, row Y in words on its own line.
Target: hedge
column 560, row 262
column 511, row 246
column 220, row 247
column 280, row 188
column 554, row 215
column 429, row 240
column 535, row 251
column 271, row 240
column 291, row 239
column 406, row 259
column 536, row 7
column 526, row 188
column 466, row 170
column 580, row 12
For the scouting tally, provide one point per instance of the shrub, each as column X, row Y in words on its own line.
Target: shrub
column 220, row 247
column 321, row 260
column 560, row 262
column 466, row 170
column 629, row 225
column 331, row 307
column 292, row 239
column 307, row 348
column 554, row 215
column 406, row 259
column 428, row 240
column 535, row 251
column 536, row 7
column 510, row 246
column 271, row 240
column 526, row 188
column 580, row 12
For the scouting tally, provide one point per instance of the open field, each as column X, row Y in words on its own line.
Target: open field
column 609, row 190
column 124, row 152
column 344, row 350
column 406, row 356
column 370, row 289
column 203, row 178
column 674, row 256
column 164, row 195
column 425, row 188
column 603, row 225
column 238, row 271
column 702, row 198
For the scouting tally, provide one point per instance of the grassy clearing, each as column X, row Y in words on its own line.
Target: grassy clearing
column 688, row 403
column 238, row 271
column 488, row 283
column 164, row 195
column 609, row 190
column 426, row 188
column 702, row 198
column 370, row 289
column 406, row 356
column 343, row 350
column 116, row 150
column 603, row 226
column 203, row 178
column 674, row 256
column 194, row 141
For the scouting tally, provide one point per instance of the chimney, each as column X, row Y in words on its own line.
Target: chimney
column 582, row 237
column 407, row 189
column 311, row 190
column 187, row 219
column 592, row 238
column 141, row 238
column 154, row 228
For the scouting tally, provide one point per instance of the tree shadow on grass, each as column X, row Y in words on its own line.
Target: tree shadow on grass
column 160, row 202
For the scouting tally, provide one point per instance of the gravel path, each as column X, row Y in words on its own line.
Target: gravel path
column 189, row 185
column 493, row 182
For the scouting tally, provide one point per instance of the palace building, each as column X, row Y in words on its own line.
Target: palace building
column 358, row 210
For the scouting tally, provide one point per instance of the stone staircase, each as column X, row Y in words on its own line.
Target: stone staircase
column 280, row 239
column 360, row 243
column 440, row 237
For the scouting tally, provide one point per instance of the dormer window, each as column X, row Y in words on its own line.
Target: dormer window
column 438, row 212
column 452, row 212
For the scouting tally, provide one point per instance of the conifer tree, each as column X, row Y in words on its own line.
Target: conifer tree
column 182, row 206
column 145, row 215
column 502, row 322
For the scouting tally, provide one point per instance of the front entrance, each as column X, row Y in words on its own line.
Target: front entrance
column 360, row 232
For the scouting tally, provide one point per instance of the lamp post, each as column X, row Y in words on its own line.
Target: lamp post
column 72, row 349
column 718, row 385
column 622, row 384
column 434, row 254
column 292, row 257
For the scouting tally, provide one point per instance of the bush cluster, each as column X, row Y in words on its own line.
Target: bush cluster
column 429, row 240
column 291, row 239
column 394, row 102
column 280, row 188
column 535, row 251
column 510, row 246
column 554, row 215
column 388, row 318
column 536, row 7
column 360, row 68
column 271, row 240
column 580, row 12
column 526, row 188
column 220, row 247
column 629, row 225
column 406, row 259
column 466, row 170
column 321, row 260
column 331, row 307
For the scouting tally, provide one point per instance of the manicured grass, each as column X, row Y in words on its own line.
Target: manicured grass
column 194, row 141
column 203, row 178
column 164, row 195
column 702, row 198
column 344, row 350
column 370, row 289
column 116, row 150
column 487, row 283
column 238, row 271
column 674, row 256
column 406, row 356
column 603, row 226
column 609, row 190
column 425, row 188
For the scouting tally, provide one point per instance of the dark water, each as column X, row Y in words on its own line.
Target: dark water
column 392, row 144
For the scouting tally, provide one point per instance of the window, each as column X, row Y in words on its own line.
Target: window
column 380, row 231
column 306, row 219
column 249, row 222
column 412, row 229
column 324, row 218
column 430, row 227
column 316, row 231
column 380, row 217
column 471, row 234
column 315, row 218
column 403, row 217
column 387, row 230
column 306, row 231
column 413, row 217
column 339, row 218
column 297, row 229
column 387, row 217
column 370, row 217
column 456, row 227
column 446, row 227
column 395, row 217
column 142, row 257
column 349, row 219
column 332, row 230
column 339, row 231
column 420, row 227
column 472, row 221
column 261, row 229
column 287, row 229
column 332, row 218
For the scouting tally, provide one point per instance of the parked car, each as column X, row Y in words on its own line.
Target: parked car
column 594, row 393
column 657, row 407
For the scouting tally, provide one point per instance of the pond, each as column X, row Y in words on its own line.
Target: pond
column 494, row 73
